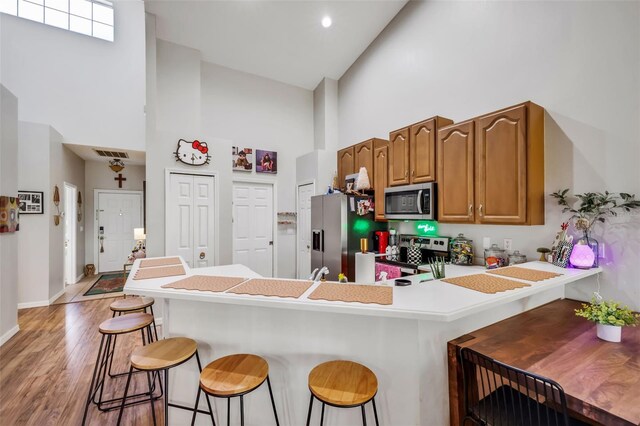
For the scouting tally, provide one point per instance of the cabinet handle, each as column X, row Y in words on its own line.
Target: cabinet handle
column 480, row 210
column 413, row 173
column 406, row 174
column 470, row 209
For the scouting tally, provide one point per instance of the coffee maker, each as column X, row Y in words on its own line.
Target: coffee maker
column 380, row 241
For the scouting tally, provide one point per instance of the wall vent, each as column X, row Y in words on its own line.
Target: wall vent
column 111, row 154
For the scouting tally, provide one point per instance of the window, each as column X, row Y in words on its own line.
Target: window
column 90, row 17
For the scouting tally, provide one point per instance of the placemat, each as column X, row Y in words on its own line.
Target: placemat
column 206, row 283
column 164, row 271
column 485, row 283
column 148, row 263
column 270, row 287
column 381, row 295
column 524, row 273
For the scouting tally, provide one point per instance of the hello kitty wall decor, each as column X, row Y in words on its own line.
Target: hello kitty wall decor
column 194, row 153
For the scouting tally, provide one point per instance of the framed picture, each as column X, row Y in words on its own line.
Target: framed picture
column 266, row 161
column 9, row 217
column 31, row 202
column 242, row 159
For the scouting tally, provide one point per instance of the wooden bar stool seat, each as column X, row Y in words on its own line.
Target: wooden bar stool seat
column 343, row 384
column 110, row 329
column 162, row 356
column 235, row 376
column 134, row 304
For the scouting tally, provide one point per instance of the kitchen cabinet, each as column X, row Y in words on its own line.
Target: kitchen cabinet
column 381, row 177
column 364, row 158
column 346, row 164
column 412, row 152
column 456, row 173
column 491, row 168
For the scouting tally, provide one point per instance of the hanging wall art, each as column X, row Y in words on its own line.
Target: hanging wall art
column 242, row 159
column 194, row 153
column 266, row 161
column 9, row 218
column 31, row 202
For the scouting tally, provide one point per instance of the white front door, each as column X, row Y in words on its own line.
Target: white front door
column 253, row 226
column 305, row 192
column 70, row 213
column 190, row 219
column 118, row 214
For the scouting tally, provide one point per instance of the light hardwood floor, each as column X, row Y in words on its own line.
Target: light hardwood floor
column 45, row 370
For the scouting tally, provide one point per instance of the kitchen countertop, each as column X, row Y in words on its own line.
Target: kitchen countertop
column 431, row 300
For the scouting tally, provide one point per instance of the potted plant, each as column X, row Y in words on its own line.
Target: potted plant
column 593, row 207
column 609, row 318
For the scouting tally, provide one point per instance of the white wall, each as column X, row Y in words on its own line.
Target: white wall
column 8, row 241
column 91, row 90
column 98, row 175
column 579, row 60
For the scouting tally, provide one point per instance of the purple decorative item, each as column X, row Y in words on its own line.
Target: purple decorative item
column 582, row 256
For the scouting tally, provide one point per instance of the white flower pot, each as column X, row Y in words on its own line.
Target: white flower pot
column 610, row 333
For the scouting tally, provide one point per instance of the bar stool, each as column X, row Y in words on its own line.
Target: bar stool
column 110, row 329
column 134, row 304
column 235, row 376
column 343, row 384
column 162, row 356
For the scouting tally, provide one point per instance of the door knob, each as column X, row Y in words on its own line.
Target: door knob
column 202, row 255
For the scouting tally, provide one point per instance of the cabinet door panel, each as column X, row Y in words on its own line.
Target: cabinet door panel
column 364, row 158
column 456, row 173
column 399, row 157
column 422, row 151
column 501, row 161
column 346, row 164
column 381, row 179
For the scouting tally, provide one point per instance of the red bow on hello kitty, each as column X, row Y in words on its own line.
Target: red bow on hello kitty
column 199, row 146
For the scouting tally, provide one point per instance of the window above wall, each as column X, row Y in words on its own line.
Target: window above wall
column 90, row 17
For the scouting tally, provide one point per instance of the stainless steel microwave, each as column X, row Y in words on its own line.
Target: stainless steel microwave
column 415, row 202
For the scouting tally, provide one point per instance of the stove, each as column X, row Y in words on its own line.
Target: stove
column 415, row 251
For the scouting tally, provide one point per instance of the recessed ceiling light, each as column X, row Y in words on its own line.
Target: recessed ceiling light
column 326, row 22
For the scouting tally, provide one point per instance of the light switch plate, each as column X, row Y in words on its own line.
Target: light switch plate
column 508, row 243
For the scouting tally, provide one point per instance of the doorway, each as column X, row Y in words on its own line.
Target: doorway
column 253, row 224
column 305, row 192
column 70, row 241
column 190, row 213
column 118, row 213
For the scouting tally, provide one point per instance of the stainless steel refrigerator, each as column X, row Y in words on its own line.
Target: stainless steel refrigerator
column 336, row 229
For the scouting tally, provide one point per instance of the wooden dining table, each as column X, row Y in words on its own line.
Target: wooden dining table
column 601, row 379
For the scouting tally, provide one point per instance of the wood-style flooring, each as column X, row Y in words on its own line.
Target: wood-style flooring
column 45, row 369
column 75, row 292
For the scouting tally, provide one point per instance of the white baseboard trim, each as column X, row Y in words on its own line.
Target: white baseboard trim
column 55, row 296
column 37, row 304
column 9, row 334
column 78, row 278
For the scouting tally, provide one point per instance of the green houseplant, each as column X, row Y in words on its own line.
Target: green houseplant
column 609, row 318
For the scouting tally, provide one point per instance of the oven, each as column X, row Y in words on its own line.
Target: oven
column 410, row 202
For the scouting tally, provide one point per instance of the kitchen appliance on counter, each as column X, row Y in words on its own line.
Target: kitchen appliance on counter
column 409, row 202
column 380, row 241
column 415, row 251
column 336, row 230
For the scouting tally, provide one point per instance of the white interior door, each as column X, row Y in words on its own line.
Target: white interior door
column 190, row 217
column 253, row 226
column 305, row 192
column 70, row 211
column 118, row 214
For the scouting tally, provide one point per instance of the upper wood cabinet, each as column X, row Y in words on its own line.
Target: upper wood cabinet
column 456, row 173
column 346, row 164
column 412, row 152
column 364, row 158
column 381, row 179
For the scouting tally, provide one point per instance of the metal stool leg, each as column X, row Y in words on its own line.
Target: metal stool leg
column 273, row 403
column 195, row 407
column 310, row 407
column 364, row 417
column 153, row 411
column 155, row 330
column 375, row 412
column 322, row 415
column 124, row 397
column 93, row 381
column 228, row 411
column 241, row 410
column 206, row 395
column 166, row 396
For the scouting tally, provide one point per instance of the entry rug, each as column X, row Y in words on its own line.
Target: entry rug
column 524, row 273
column 485, row 283
column 108, row 283
column 163, row 261
column 206, row 283
column 162, row 272
column 333, row 292
column 271, row 287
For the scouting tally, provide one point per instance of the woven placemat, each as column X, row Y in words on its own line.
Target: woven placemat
column 485, row 283
column 270, row 287
column 381, row 295
column 164, row 271
column 524, row 273
column 167, row 261
column 206, row 283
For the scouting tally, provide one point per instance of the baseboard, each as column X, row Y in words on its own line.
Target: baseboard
column 78, row 278
column 37, row 304
column 9, row 334
column 56, row 296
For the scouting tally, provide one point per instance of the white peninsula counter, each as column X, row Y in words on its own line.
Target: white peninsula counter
column 403, row 343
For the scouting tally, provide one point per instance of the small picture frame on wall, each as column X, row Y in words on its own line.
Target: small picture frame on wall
column 266, row 161
column 242, row 159
column 31, row 202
